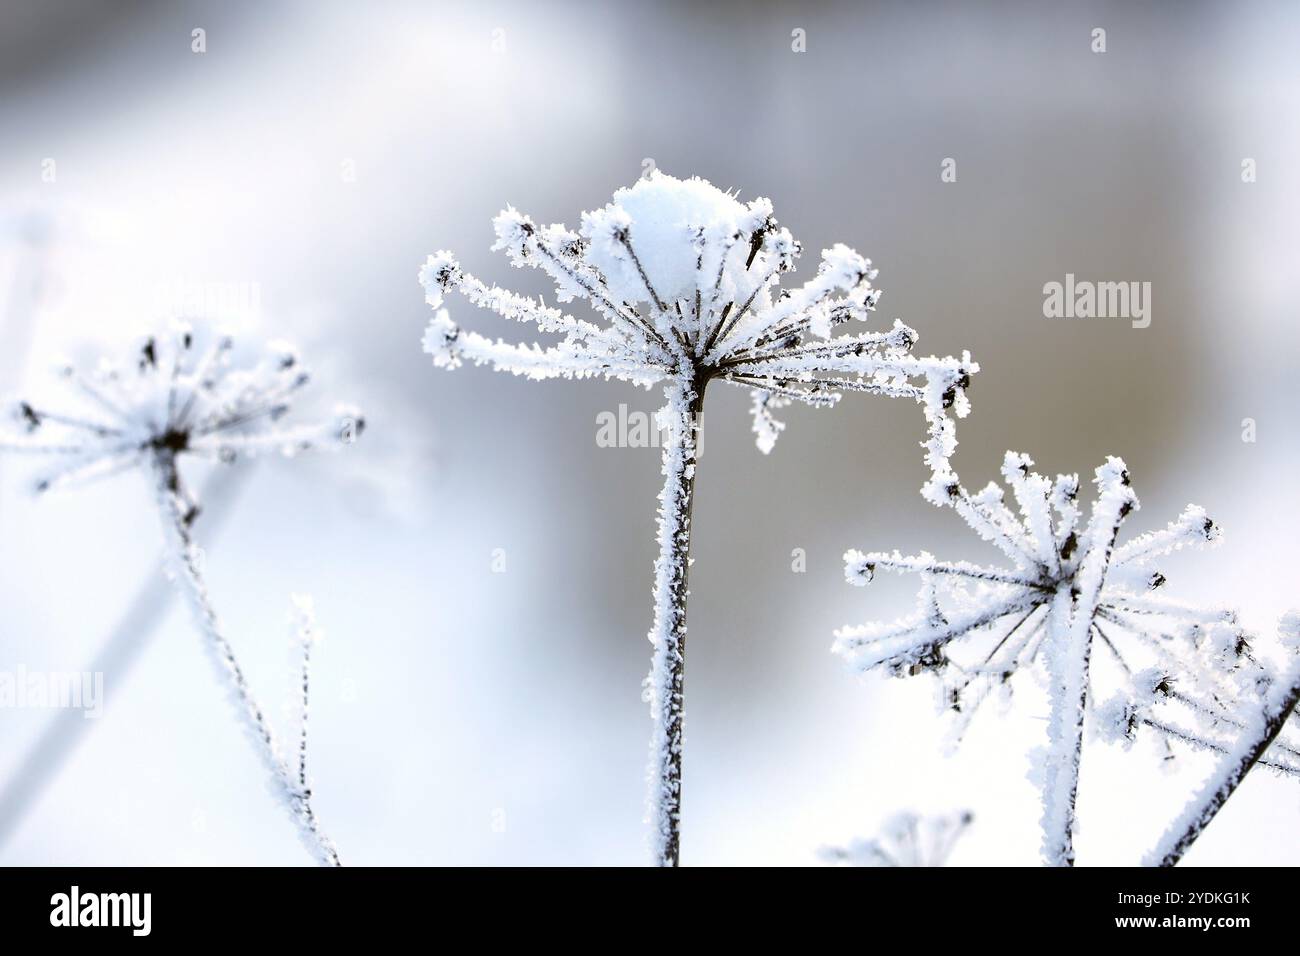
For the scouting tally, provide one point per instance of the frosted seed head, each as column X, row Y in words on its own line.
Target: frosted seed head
column 859, row 570
column 1152, row 684
column 1016, row 466
column 1114, row 472
column 515, row 233
column 903, row 336
column 568, row 245
column 843, row 268
column 1116, row 721
column 24, row 416
column 439, row 340
column 439, row 273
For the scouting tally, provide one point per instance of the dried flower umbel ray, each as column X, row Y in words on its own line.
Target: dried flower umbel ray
column 685, row 280
column 1069, row 589
column 183, row 398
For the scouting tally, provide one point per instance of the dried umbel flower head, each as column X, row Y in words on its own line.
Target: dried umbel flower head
column 178, row 394
column 685, row 284
column 686, row 281
column 1069, row 589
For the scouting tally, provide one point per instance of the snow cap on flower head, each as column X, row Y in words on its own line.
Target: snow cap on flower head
column 685, row 277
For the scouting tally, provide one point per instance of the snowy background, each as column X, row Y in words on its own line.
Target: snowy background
column 465, row 716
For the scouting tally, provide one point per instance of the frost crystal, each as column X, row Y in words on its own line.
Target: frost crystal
column 1068, row 588
column 685, row 283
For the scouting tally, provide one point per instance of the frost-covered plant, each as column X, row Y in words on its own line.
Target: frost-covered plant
column 1206, row 714
column 908, row 839
column 685, row 282
column 1068, row 589
column 178, row 399
column 1258, row 734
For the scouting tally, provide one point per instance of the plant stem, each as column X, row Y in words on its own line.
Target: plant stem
column 1282, row 699
column 1069, row 647
column 176, row 524
column 665, row 684
column 1067, row 663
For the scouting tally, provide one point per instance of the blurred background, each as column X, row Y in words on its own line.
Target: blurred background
column 291, row 178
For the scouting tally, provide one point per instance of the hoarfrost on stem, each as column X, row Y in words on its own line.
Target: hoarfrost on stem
column 182, row 395
column 685, row 283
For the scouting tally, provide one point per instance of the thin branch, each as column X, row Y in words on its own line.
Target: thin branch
column 1183, row 832
column 190, row 578
column 1213, row 746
